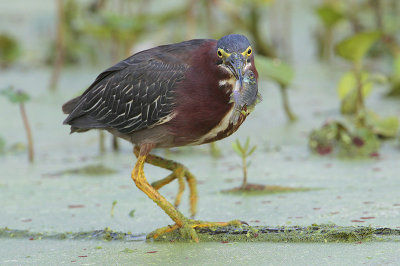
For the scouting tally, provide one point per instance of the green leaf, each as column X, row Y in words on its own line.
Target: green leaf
column 355, row 47
column 236, row 148
column 274, row 69
column 329, row 15
column 15, row 96
column 348, row 84
column 348, row 105
column 385, row 127
column 246, row 145
column 251, row 151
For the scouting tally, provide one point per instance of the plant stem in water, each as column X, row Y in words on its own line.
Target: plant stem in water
column 28, row 132
column 115, row 143
column 360, row 97
column 244, row 161
column 101, row 141
column 59, row 51
column 285, row 100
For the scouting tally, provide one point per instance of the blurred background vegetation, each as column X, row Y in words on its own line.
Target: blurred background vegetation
column 359, row 37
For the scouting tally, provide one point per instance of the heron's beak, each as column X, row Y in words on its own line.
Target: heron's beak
column 236, row 63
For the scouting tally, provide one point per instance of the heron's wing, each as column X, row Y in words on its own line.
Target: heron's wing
column 134, row 94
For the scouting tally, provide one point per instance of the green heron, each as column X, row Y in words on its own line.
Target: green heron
column 188, row 93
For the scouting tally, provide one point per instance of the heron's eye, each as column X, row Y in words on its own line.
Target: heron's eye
column 249, row 51
column 219, row 53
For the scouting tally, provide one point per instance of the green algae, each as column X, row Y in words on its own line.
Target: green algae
column 106, row 234
column 257, row 189
column 88, row 170
column 294, row 234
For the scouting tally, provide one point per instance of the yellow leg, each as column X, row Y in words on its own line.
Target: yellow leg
column 179, row 172
column 141, row 182
column 186, row 226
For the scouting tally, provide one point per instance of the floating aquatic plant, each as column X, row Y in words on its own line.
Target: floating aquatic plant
column 360, row 132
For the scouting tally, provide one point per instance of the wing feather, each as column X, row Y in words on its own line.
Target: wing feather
column 129, row 97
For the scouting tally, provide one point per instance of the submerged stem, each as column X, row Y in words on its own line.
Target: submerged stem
column 101, row 141
column 327, row 48
column 28, row 132
column 244, row 161
column 60, row 47
column 285, row 100
column 115, row 143
column 360, row 97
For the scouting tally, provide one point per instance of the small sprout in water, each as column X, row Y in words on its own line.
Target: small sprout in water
column 19, row 97
column 132, row 213
column 244, row 151
column 113, row 207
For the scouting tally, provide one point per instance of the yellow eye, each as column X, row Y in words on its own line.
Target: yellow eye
column 247, row 52
column 219, row 53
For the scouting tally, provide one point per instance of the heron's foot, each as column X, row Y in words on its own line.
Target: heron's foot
column 180, row 173
column 188, row 229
